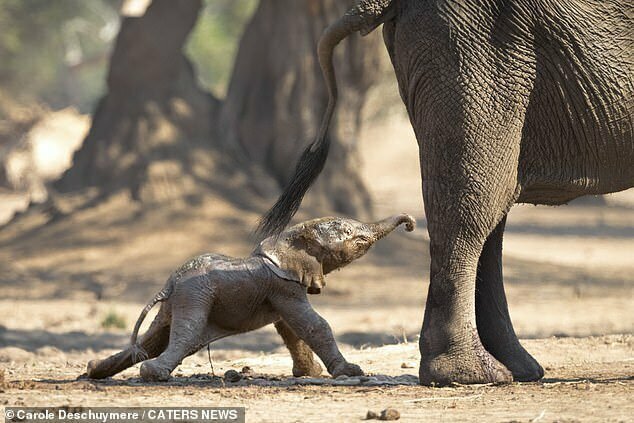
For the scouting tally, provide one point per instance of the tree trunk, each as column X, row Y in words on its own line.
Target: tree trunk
column 154, row 123
column 156, row 133
column 277, row 96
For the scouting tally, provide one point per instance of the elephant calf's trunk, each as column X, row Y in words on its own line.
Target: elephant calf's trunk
column 385, row 226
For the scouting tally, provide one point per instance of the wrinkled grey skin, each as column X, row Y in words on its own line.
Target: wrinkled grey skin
column 213, row 296
column 512, row 101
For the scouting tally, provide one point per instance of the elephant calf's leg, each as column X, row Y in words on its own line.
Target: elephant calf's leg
column 304, row 363
column 315, row 331
column 186, row 337
column 153, row 343
column 492, row 315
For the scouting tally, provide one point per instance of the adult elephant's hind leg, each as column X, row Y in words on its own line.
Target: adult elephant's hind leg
column 492, row 314
column 304, row 363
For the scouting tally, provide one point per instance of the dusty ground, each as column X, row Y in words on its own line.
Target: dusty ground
column 589, row 379
column 570, row 285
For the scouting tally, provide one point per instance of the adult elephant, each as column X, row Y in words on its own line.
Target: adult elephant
column 512, row 101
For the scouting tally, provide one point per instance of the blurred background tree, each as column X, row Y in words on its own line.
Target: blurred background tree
column 189, row 97
column 213, row 43
column 56, row 52
column 277, row 96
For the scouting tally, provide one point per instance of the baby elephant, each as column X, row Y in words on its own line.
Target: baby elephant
column 213, row 296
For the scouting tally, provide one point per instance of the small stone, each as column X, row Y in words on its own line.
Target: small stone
column 247, row 371
column 390, row 414
column 406, row 366
column 371, row 415
column 232, row 376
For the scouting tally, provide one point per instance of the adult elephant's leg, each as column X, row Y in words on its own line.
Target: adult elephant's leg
column 469, row 162
column 492, row 314
column 304, row 363
column 468, row 117
column 451, row 350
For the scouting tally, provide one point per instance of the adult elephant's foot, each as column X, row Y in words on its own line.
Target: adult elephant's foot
column 499, row 339
column 492, row 315
column 521, row 364
column 466, row 364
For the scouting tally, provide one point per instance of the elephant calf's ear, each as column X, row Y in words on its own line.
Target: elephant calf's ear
column 293, row 264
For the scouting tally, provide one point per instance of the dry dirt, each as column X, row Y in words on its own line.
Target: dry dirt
column 570, row 284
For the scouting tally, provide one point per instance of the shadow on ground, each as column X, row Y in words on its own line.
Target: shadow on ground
column 248, row 379
column 257, row 341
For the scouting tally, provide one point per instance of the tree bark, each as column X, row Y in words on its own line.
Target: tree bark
column 157, row 134
column 277, row 96
column 154, row 122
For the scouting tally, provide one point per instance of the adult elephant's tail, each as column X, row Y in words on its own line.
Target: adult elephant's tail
column 364, row 17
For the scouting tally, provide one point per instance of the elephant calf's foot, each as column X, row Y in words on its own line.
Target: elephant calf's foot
column 466, row 364
column 309, row 368
column 151, row 371
column 521, row 364
column 100, row 369
column 347, row 369
column 95, row 369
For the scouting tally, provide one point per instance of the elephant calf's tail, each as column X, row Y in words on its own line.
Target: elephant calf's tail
column 139, row 354
column 364, row 17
